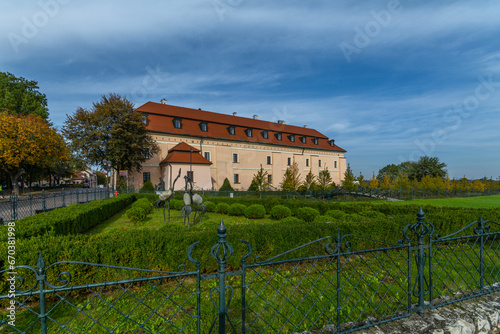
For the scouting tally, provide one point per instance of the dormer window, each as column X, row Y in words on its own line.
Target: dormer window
column 248, row 132
column 315, row 141
column 292, row 138
column 303, row 139
column 177, row 123
column 145, row 119
column 331, row 142
column 265, row 134
column 231, row 130
column 203, row 126
column 278, row 135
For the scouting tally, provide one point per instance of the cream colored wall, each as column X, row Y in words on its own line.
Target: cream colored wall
column 251, row 156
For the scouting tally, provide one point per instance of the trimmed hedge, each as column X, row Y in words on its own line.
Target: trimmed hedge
column 236, row 209
column 279, row 212
column 255, row 211
column 307, row 214
column 73, row 219
column 210, row 206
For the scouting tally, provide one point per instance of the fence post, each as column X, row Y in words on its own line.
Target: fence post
column 421, row 230
column 481, row 229
column 44, row 204
column 221, row 252
column 40, row 277
column 13, row 206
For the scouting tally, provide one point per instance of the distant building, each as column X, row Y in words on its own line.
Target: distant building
column 229, row 146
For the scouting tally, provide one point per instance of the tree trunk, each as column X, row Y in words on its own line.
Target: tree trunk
column 14, row 175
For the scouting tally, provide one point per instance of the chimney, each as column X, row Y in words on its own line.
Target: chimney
column 255, row 116
column 280, row 121
column 235, row 113
column 163, row 101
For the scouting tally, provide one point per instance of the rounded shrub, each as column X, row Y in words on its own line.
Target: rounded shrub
column 210, row 206
column 372, row 214
column 222, row 208
column 144, row 204
column 136, row 214
column 255, row 211
column 280, row 211
column 337, row 214
column 290, row 220
column 236, row 209
column 307, row 214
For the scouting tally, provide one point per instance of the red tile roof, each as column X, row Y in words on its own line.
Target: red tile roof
column 161, row 116
column 181, row 153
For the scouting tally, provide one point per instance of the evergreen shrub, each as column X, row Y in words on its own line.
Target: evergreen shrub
column 147, row 187
column 337, row 214
column 290, row 220
column 210, row 206
column 372, row 214
column 176, row 204
column 307, row 214
column 222, row 208
column 280, row 211
column 255, row 211
column 136, row 214
column 236, row 209
column 144, row 204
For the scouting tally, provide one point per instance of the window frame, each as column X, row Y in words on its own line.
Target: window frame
column 249, row 132
column 269, row 160
column 265, row 134
column 144, row 178
column 203, row 126
column 319, row 163
column 291, row 137
column 231, row 130
column 307, row 162
column 176, row 121
column 288, row 161
column 205, row 155
column 236, row 158
column 190, row 174
column 236, row 178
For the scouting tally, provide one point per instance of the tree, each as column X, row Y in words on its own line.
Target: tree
column 111, row 130
column 28, row 141
column 260, row 181
column 427, row 166
column 309, row 182
column 361, row 180
column 21, row 97
column 392, row 170
column 374, row 182
column 291, row 179
column 101, row 178
column 324, row 179
column 349, row 178
column 226, row 186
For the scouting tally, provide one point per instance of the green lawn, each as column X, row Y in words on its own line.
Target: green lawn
column 479, row 202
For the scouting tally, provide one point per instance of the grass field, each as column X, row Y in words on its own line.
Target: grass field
column 479, row 202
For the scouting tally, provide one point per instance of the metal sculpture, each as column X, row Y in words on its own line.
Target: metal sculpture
column 165, row 198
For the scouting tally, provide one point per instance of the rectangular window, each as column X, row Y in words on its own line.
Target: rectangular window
column 146, row 153
column 177, row 123
column 269, row 178
column 248, row 132
column 207, row 155
column 190, row 175
column 288, row 161
column 235, row 157
column 146, row 176
column 204, row 126
column 268, row 159
column 303, row 139
column 319, row 162
column 278, row 135
column 292, row 138
column 315, row 141
column 307, row 162
column 236, row 178
column 264, row 134
column 145, row 119
column 231, row 130
column 335, row 164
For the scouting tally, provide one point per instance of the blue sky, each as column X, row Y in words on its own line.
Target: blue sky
column 388, row 80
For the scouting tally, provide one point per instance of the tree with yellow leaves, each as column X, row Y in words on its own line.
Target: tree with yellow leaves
column 28, row 141
column 374, row 182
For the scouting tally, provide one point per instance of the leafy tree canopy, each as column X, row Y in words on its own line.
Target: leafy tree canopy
column 414, row 170
column 27, row 141
column 226, row 186
column 349, row 179
column 21, row 97
column 260, row 181
column 291, row 179
column 111, row 130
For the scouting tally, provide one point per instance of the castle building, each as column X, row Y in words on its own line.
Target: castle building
column 210, row 147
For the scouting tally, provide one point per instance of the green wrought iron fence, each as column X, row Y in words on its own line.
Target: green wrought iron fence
column 16, row 207
column 339, row 291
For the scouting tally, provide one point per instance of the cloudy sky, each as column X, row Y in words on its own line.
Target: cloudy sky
column 388, row 80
